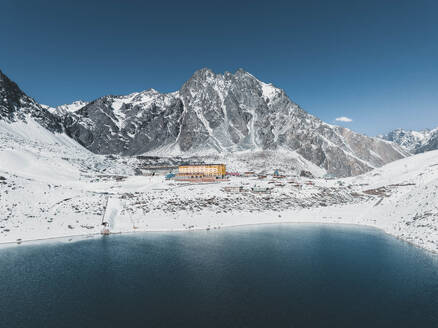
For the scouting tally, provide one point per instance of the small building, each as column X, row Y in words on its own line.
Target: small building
column 170, row 176
column 261, row 190
column 278, row 175
column 203, row 169
column 233, row 189
column 201, row 172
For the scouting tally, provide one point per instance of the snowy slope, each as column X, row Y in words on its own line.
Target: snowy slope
column 29, row 150
column 409, row 200
column 40, row 173
column 418, row 169
column 51, row 188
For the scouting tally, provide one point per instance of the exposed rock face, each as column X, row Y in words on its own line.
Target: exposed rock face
column 414, row 141
column 15, row 105
column 430, row 144
column 222, row 113
column 128, row 125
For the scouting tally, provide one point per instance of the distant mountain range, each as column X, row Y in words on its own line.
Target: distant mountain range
column 210, row 114
column 414, row 141
column 62, row 110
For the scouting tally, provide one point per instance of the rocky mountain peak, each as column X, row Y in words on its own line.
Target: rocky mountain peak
column 202, row 75
column 16, row 105
column 240, row 72
column 10, row 97
column 219, row 114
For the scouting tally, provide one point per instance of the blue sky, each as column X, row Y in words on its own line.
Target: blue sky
column 375, row 62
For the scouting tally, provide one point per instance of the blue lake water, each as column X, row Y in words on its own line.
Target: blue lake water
column 258, row 276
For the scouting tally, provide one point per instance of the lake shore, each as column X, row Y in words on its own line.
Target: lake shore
column 343, row 215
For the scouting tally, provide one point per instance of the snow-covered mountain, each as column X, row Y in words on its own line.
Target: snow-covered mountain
column 62, row 110
column 50, row 186
column 414, row 141
column 408, row 139
column 431, row 143
column 15, row 106
column 223, row 113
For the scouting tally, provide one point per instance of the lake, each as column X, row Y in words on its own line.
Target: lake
column 288, row 275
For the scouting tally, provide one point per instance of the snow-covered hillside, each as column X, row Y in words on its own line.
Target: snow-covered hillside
column 52, row 187
column 408, row 198
column 40, row 170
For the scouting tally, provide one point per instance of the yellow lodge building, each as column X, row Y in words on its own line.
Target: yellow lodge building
column 202, row 170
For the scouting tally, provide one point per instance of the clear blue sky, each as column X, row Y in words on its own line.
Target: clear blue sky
column 373, row 61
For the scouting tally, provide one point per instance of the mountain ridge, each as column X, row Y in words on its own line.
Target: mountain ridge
column 414, row 141
column 213, row 114
column 223, row 113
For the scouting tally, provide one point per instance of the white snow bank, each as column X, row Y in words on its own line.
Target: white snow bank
column 30, row 165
